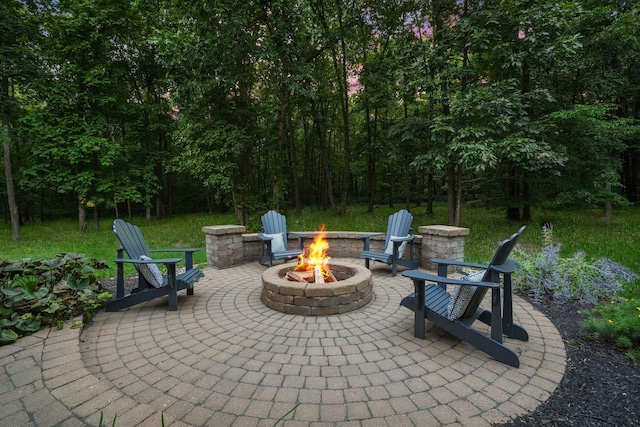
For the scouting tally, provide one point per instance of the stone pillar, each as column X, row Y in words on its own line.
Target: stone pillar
column 224, row 245
column 442, row 241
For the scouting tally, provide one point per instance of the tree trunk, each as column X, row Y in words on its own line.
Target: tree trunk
column 347, row 146
column 293, row 153
column 407, row 187
column 430, row 194
column 340, row 66
column 96, row 219
column 147, row 209
column 526, row 207
column 371, row 178
column 390, row 183
column 318, row 118
column 630, row 169
column 513, row 212
column 608, row 208
column 327, row 172
column 82, row 216
column 451, row 194
column 276, row 195
column 457, row 215
column 14, row 212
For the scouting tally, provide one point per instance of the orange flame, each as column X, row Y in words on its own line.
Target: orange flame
column 315, row 255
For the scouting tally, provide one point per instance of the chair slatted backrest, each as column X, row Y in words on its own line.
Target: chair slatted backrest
column 500, row 257
column 274, row 222
column 131, row 239
column 399, row 225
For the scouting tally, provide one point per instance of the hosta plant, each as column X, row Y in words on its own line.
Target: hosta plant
column 37, row 293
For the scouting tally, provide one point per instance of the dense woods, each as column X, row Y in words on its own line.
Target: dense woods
column 156, row 107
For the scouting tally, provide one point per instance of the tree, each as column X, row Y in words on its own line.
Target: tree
column 607, row 73
column 217, row 123
column 594, row 138
column 318, row 103
column 18, row 59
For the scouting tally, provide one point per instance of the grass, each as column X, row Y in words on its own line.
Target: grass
column 577, row 229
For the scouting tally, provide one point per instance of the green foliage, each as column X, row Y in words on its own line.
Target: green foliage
column 546, row 275
column 614, row 288
column 106, row 107
column 617, row 322
column 594, row 139
column 38, row 293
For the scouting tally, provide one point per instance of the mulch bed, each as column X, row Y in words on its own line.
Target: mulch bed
column 601, row 386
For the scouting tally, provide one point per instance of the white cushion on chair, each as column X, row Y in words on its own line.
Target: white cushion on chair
column 461, row 296
column 277, row 242
column 389, row 249
column 151, row 272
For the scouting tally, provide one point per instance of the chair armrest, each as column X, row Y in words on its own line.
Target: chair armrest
column 188, row 255
column 409, row 238
column 507, row 268
column 185, row 250
column 264, row 237
column 165, row 261
column 426, row 277
column 458, row 263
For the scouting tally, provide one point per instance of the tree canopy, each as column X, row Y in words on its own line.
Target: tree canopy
column 159, row 107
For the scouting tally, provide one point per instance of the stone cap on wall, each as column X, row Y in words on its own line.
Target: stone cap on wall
column 443, row 230
column 223, row 229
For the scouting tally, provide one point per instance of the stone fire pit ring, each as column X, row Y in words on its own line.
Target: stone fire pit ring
column 352, row 291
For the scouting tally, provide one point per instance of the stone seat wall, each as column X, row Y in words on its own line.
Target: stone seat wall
column 229, row 245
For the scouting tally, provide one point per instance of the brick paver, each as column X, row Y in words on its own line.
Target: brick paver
column 225, row 359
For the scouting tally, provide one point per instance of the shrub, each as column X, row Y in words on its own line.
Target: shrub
column 547, row 275
column 38, row 293
column 617, row 322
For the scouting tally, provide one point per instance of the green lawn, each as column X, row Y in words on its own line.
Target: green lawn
column 577, row 229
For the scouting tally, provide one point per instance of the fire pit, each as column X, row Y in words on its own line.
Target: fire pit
column 316, row 286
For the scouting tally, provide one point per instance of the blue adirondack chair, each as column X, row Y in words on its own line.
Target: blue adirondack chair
column 151, row 283
column 274, row 237
column 456, row 312
column 398, row 237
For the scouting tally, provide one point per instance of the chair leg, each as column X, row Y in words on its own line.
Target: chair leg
column 509, row 328
column 419, row 328
column 173, row 287
column 496, row 316
column 120, row 281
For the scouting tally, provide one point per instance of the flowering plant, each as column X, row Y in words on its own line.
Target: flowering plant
column 545, row 274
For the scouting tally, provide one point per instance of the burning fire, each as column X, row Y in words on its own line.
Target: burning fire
column 314, row 259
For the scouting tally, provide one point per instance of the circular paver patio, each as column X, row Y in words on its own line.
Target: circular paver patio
column 225, row 359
